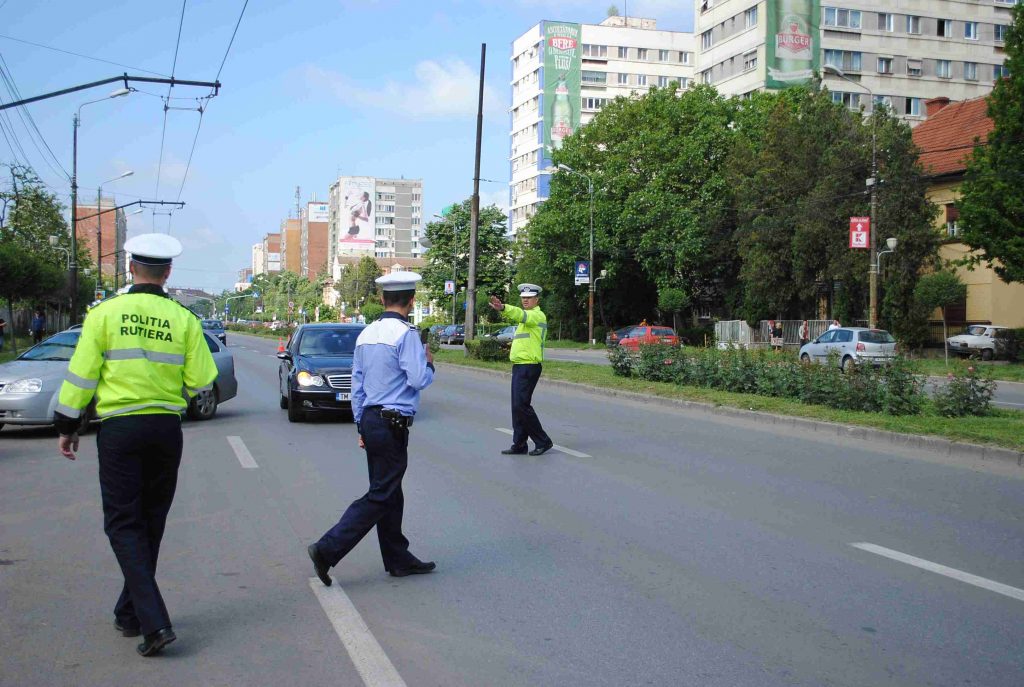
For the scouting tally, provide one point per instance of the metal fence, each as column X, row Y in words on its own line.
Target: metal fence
column 738, row 334
column 20, row 322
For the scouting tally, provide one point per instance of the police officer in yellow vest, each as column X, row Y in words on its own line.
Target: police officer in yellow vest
column 526, row 355
column 136, row 354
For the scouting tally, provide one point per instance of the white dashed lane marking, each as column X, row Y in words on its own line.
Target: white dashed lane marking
column 242, row 453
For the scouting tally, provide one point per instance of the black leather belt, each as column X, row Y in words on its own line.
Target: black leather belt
column 394, row 418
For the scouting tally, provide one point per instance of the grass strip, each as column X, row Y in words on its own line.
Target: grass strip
column 1003, row 428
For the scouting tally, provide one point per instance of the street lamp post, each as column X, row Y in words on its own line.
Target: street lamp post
column 74, row 199
column 871, row 183
column 593, row 282
column 455, row 260
column 99, row 227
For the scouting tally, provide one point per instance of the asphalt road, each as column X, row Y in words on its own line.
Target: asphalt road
column 662, row 547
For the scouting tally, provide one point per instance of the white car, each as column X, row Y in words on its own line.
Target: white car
column 979, row 339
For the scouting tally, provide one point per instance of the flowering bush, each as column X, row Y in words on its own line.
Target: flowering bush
column 969, row 394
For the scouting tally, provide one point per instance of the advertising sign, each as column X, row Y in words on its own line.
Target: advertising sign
column 563, row 59
column 449, row 287
column 793, row 48
column 356, row 215
column 860, row 232
column 318, row 212
column 582, row 272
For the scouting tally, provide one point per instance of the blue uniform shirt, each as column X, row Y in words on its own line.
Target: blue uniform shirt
column 390, row 367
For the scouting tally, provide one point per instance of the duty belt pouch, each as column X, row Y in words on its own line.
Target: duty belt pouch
column 395, row 419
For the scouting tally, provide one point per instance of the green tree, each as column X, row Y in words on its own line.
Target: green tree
column 24, row 277
column 357, row 283
column 673, row 300
column 372, row 311
column 992, row 204
column 940, row 290
column 449, row 254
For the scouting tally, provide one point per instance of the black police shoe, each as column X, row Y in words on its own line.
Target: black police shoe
column 514, row 451
column 127, row 629
column 417, row 568
column 319, row 564
column 155, row 641
column 541, row 449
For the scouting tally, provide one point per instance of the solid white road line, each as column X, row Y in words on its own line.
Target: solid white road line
column 563, row 449
column 997, row 587
column 369, row 658
column 242, row 452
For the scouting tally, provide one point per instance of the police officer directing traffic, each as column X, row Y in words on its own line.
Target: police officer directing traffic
column 390, row 368
column 526, row 355
column 135, row 355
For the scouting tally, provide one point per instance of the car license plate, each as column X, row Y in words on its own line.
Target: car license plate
column 341, row 397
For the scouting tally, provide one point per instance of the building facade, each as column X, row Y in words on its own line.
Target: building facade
column 564, row 73
column 103, row 231
column 314, row 238
column 271, row 253
column 898, row 54
column 373, row 216
column 259, row 264
column 291, row 247
column 244, row 279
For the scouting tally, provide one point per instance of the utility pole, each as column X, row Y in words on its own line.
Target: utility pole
column 474, row 218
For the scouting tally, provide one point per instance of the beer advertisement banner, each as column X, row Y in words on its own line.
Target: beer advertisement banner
column 563, row 59
column 793, row 48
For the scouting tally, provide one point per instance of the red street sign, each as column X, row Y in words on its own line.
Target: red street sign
column 860, row 232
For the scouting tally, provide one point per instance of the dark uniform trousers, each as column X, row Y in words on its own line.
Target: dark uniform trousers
column 382, row 506
column 525, row 423
column 139, row 457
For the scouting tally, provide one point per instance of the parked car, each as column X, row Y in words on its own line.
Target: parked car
column 647, row 334
column 851, row 346
column 315, row 374
column 506, row 334
column 216, row 328
column 983, row 340
column 453, row 334
column 612, row 338
column 436, row 329
column 30, row 384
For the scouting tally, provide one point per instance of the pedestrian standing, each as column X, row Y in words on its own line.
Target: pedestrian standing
column 38, row 327
column 136, row 353
column 527, row 355
column 805, row 333
column 835, row 325
column 390, row 367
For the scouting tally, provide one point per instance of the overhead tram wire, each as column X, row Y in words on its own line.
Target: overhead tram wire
column 163, row 130
column 12, row 88
column 84, row 57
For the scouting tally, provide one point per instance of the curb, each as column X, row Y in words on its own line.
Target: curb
column 946, row 447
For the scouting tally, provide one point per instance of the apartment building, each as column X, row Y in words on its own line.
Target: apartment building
column 564, row 73
column 271, row 252
column 259, row 265
column 897, row 53
column 373, row 216
column 291, row 248
column 314, row 238
column 102, row 230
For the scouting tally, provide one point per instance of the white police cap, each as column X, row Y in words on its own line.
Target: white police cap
column 529, row 290
column 398, row 281
column 153, row 249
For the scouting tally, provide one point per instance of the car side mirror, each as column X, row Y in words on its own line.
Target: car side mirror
column 284, row 355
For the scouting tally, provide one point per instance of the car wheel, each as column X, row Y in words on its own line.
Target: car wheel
column 294, row 413
column 986, row 354
column 805, row 359
column 846, row 364
column 204, row 405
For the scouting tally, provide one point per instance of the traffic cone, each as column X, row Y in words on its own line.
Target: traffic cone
column 280, row 345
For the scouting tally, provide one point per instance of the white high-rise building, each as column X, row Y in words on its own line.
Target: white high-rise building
column 259, row 262
column 564, row 73
column 901, row 54
column 382, row 218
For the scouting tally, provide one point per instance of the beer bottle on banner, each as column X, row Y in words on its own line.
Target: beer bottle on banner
column 561, row 115
column 794, row 55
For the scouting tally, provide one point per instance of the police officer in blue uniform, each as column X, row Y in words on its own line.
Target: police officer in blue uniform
column 390, row 368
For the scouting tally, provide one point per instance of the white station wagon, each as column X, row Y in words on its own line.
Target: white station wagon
column 979, row 339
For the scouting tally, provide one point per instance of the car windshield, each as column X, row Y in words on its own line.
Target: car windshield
column 328, row 342
column 975, row 330
column 877, row 336
column 663, row 331
column 213, row 324
column 59, row 347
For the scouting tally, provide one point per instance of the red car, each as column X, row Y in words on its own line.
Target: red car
column 645, row 334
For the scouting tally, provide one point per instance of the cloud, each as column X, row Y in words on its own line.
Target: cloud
column 437, row 90
column 498, row 197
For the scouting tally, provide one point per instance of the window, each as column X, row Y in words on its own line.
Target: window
column 595, row 50
column 1001, row 32
column 952, row 219
column 882, row 101
column 971, row 71
column 944, row 28
column 850, row 100
column 885, row 65
column 663, row 81
column 999, row 71
column 971, row 30
column 663, row 56
column 623, row 79
column 705, row 76
column 886, row 22
column 750, row 17
column 913, row 24
column 844, row 59
column 641, row 53
column 594, row 103
column 842, row 18
column 912, row 107
column 706, row 40
column 914, row 68
column 641, row 79
column 749, row 61
column 623, row 53
column 685, row 57
column 593, row 77
column 943, row 69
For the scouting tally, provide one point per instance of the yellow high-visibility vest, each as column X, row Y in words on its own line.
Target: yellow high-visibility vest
column 136, row 354
column 532, row 332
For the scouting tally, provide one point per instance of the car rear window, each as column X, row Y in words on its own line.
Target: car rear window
column 663, row 331
column 877, row 336
column 328, row 342
column 213, row 324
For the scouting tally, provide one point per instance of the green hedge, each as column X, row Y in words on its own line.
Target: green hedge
column 487, row 349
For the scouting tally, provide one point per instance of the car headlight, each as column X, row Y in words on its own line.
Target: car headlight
column 23, row 386
column 306, row 379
